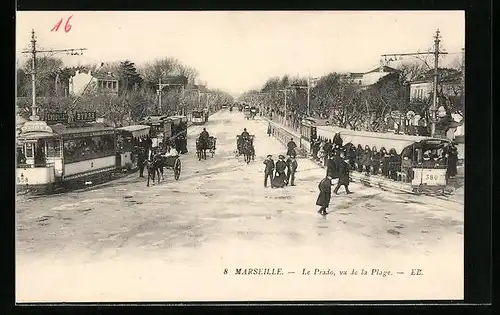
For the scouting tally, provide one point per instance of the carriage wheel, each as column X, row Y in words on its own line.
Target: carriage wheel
column 177, row 169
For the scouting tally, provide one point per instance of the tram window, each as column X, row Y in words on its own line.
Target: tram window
column 88, row 148
column 29, row 150
column 53, row 148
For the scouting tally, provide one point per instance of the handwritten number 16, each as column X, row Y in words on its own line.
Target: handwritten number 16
column 67, row 26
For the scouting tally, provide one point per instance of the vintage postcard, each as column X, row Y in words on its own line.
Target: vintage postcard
column 239, row 156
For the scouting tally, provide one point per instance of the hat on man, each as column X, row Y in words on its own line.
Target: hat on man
column 281, row 157
column 269, row 155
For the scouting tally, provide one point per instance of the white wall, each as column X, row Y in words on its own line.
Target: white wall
column 79, row 81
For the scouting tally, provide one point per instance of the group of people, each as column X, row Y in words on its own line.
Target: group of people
column 281, row 173
column 384, row 162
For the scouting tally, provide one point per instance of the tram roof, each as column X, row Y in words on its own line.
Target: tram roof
column 378, row 140
column 93, row 128
column 136, row 130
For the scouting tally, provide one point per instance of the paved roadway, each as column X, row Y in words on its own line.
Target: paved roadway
column 124, row 241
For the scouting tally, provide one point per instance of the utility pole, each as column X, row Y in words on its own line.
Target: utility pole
column 463, row 77
column 158, row 108
column 33, row 51
column 434, row 99
column 308, row 88
column 436, row 54
column 286, row 117
column 160, row 88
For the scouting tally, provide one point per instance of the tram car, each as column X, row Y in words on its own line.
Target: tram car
column 416, row 161
column 51, row 156
column 158, row 128
column 127, row 140
column 197, row 117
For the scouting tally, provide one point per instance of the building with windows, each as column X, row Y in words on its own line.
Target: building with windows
column 366, row 79
column 450, row 84
column 81, row 82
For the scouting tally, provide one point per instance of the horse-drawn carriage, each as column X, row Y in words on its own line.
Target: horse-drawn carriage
column 158, row 161
column 247, row 112
column 201, row 148
column 244, row 146
column 253, row 112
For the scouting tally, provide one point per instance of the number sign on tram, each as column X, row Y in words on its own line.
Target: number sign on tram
column 85, row 116
column 56, row 117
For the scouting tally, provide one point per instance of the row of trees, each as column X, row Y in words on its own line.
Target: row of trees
column 345, row 103
column 137, row 96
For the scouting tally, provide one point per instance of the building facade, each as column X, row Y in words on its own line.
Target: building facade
column 101, row 83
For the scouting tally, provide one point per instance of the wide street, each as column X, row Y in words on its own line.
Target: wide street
column 172, row 241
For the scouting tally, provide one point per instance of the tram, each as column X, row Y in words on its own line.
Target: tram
column 197, row 117
column 62, row 154
column 418, row 162
column 127, row 140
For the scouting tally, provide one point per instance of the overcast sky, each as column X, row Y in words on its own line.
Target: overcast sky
column 237, row 51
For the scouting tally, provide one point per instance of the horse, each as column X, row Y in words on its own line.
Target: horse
column 155, row 168
column 201, row 149
column 247, row 150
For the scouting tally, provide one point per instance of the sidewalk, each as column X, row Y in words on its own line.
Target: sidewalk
column 454, row 194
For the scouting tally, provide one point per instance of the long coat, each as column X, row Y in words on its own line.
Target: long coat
column 325, row 192
column 343, row 173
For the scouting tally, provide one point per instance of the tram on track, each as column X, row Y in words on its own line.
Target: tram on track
column 197, row 117
column 127, row 140
column 417, row 162
column 62, row 154
column 168, row 129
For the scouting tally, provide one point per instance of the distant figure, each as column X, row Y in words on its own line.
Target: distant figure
column 245, row 133
column 268, row 171
column 291, row 169
column 141, row 161
column 291, row 147
column 325, row 194
column 269, row 129
column 452, row 159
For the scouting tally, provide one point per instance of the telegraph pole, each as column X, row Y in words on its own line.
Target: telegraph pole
column 436, row 54
column 160, row 87
column 286, row 118
column 33, row 51
column 434, row 99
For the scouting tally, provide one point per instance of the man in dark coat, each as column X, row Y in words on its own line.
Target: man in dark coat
column 327, row 148
column 325, row 194
column 343, row 176
column 268, row 171
column 291, row 169
column 141, row 161
column 269, row 129
column 331, row 167
column 452, row 159
column 280, row 172
column 245, row 133
column 291, row 147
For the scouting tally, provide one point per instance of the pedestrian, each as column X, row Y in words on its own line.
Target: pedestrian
column 268, row 170
column 280, row 176
column 343, row 175
column 291, row 147
column 325, row 194
column 269, row 129
column 452, row 160
column 291, row 168
column 141, row 161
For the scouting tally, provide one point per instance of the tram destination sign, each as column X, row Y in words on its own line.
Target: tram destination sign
column 85, row 116
column 56, row 117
